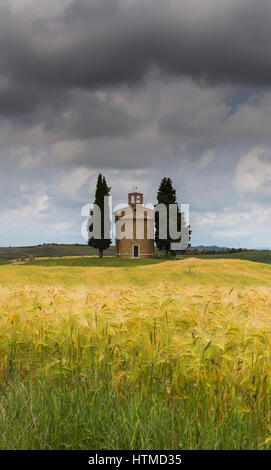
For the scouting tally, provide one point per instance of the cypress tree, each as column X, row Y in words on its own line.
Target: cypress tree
column 166, row 195
column 101, row 190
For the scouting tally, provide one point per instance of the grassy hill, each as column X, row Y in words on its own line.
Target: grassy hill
column 57, row 251
column 263, row 256
column 51, row 250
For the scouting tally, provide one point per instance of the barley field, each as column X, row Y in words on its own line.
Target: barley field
column 135, row 355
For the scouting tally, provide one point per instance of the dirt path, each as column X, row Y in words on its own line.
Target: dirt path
column 16, row 262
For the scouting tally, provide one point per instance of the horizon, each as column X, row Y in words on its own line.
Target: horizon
column 113, row 246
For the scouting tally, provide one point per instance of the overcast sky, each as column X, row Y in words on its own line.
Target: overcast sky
column 138, row 90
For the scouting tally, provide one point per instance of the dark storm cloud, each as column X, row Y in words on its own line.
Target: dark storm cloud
column 95, row 44
column 86, row 115
column 30, row 104
column 104, row 44
column 76, row 115
column 90, row 116
column 91, row 9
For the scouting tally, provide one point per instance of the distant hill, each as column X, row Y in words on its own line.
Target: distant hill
column 210, row 247
column 53, row 250
column 50, row 250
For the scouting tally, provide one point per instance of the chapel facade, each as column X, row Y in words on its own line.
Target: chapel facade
column 134, row 229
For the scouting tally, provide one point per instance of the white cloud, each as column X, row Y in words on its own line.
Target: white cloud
column 253, row 171
column 64, row 227
column 32, row 209
column 72, row 181
column 206, row 158
column 244, row 224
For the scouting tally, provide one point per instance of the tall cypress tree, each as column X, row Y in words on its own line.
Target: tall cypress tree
column 166, row 195
column 101, row 190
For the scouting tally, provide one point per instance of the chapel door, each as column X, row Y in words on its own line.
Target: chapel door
column 135, row 251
